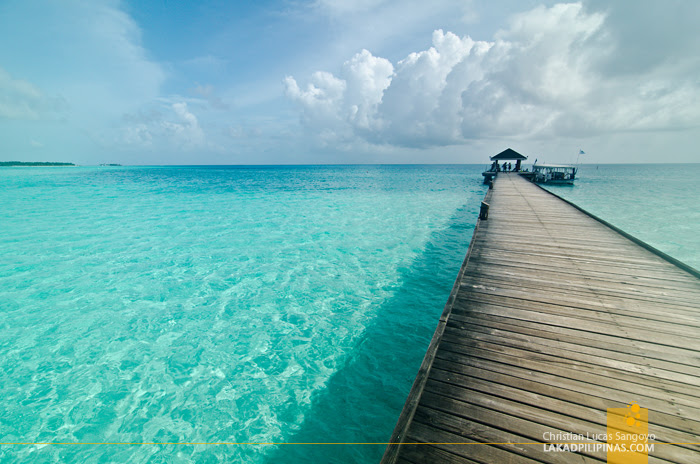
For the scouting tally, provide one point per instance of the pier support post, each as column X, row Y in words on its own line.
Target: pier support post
column 484, row 212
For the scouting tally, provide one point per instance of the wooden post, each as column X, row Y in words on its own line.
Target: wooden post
column 484, row 212
column 491, row 184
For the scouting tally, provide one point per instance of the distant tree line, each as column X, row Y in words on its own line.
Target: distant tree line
column 33, row 163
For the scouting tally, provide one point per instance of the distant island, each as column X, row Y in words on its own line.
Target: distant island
column 110, row 164
column 33, row 163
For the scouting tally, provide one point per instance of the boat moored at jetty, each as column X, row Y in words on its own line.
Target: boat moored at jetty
column 553, row 173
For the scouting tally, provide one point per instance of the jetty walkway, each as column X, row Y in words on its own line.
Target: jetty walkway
column 554, row 318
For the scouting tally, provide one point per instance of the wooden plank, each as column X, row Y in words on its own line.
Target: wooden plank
column 459, row 364
column 661, row 342
column 583, row 300
column 637, row 365
column 618, row 357
column 683, row 359
column 483, row 409
column 560, row 300
column 612, row 373
column 567, row 369
column 557, row 250
column 579, row 275
column 421, row 454
column 638, row 316
column 531, row 423
column 644, row 312
column 612, row 272
column 563, row 255
column 552, row 282
column 477, row 452
column 570, row 393
column 575, row 245
column 570, row 260
column 559, row 406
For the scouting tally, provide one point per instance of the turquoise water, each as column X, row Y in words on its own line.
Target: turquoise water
column 248, row 304
column 204, row 304
column 657, row 203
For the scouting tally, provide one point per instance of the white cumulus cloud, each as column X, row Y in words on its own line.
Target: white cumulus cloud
column 337, row 106
column 549, row 72
column 173, row 125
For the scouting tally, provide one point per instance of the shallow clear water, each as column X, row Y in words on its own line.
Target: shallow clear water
column 205, row 304
column 248, row 304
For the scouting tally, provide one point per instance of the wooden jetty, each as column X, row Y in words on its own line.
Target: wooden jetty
column 555, row 316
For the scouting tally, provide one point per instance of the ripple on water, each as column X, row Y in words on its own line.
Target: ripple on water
column 199, row 304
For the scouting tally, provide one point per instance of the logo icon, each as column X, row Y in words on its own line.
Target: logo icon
column 633, row 415
column 628, row 435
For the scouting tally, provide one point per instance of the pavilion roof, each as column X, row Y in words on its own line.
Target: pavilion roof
column 508, row 154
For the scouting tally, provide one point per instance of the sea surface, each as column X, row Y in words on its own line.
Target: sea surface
column 241, row 305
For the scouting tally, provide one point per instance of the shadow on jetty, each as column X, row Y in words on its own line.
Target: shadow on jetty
column 378, row 374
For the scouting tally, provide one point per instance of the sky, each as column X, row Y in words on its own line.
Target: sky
column 348, row 81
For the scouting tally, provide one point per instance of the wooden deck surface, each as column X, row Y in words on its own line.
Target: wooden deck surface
column 554, row 318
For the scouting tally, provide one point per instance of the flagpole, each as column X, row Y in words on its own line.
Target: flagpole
column 580, row 152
